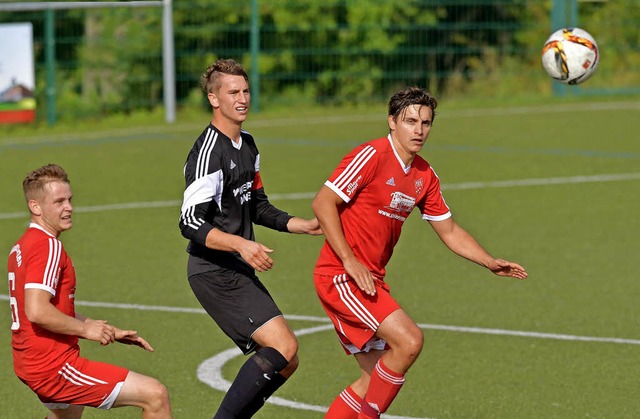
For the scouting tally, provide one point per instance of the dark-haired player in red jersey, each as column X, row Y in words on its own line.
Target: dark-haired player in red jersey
column 361, row 209
column 45, row 326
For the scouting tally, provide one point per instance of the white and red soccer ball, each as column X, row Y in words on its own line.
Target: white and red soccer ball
column 570, row 55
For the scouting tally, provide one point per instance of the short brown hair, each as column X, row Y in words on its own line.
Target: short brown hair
column 209, row 79
column 411, row 96
column 33, row 185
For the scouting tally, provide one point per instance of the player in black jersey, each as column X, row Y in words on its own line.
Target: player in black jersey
column 223, row 198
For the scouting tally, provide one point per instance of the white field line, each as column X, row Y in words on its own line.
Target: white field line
column 615, row 177
column 426, row 326
column 210, row 370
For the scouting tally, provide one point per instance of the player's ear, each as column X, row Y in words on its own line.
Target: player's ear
column 392, row 122
column 213, row 100
column 34, row 207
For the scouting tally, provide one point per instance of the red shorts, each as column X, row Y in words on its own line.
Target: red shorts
column 355, row 315
column 82, row 382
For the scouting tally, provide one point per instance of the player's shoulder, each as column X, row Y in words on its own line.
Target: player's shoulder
column 372, row 148
column 35, row 237
column 420, row 163
column 247, row 137
column 381, row 144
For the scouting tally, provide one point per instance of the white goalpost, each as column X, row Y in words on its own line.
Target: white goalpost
column 168, row 54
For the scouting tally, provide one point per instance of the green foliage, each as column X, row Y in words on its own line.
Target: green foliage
column 323, row 52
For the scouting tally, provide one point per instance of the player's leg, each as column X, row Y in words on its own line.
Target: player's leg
column 147, row 393
column 277, row 344
column 245, row 311
column 264, row 372
column 405, row 340
column 69, row 412
column 348, row 403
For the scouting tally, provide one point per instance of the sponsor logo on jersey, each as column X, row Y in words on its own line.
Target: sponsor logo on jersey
column 232, row 165
column 57, row 278
column 401, row 202
column 391, row 182
column 419, row 186
column 244, row 192
column 353, row 185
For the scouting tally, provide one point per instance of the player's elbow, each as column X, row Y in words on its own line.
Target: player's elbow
column 316, row 206
column 35, row 313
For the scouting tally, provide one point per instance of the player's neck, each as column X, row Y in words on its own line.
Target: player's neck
column 44, row 226
column 229, row 128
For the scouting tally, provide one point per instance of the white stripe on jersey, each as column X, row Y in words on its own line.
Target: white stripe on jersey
column 354, row 167
column 388, row 377
column 78, row 378
column 204, row 156
column 353, row 304
column 53, row 260
column 350, row 401
column 201, row 190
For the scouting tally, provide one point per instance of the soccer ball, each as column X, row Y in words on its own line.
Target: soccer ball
column 570, row 55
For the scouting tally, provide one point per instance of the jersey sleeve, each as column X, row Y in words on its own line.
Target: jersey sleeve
column 266, row 214
column 42, row 268
column 354, row 171
column 204, row 179
column 434, row 207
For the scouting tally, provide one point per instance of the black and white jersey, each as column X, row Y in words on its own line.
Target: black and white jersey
column 224, row 191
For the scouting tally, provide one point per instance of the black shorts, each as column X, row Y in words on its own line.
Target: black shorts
column 239, row 303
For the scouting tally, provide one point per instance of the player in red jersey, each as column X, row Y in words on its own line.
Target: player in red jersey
column 46, row 328
column 361, row 209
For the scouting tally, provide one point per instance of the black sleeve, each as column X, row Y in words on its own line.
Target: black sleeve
column 268, row 215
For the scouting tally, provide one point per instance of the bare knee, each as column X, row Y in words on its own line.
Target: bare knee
column 288, row 348
column 412, row 345
column 157, row 397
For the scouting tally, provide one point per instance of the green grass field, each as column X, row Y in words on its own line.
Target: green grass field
column 554, row 187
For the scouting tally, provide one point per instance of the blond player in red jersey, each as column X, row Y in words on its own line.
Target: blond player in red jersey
column 45, row 327
column 361, row 209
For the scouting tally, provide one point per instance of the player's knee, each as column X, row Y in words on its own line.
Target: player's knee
column 289, row 348
column 413, row 343
column 157, row 396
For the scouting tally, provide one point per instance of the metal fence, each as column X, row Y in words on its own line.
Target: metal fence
column 324, row 52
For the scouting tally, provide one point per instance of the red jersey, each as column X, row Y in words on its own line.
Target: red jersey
column 380, row 193
column 38, row 260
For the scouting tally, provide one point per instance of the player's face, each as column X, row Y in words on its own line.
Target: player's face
column 232, row 100
column 410, row 130
column 53, row 208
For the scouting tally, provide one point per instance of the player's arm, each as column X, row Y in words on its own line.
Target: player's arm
column 41, row 312
column 270, row 216
column 459, row 241
column 325, row 206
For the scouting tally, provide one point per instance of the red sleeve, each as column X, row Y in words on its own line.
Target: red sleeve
column 42, row 267
column 354, row 172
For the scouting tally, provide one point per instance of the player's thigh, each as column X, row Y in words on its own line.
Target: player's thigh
column 277, row 334
column 140, row 390
column 400, row 331
column 71, row 412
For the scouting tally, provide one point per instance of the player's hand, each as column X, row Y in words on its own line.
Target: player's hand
column 130, row 337
column 256, row 255
column 99, row 331
column 503, row 267
column 363, row 277
column 303, row 226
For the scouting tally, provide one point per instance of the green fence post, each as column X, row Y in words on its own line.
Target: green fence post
column 255, row 50
column 564, row 13
column 50, row 61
